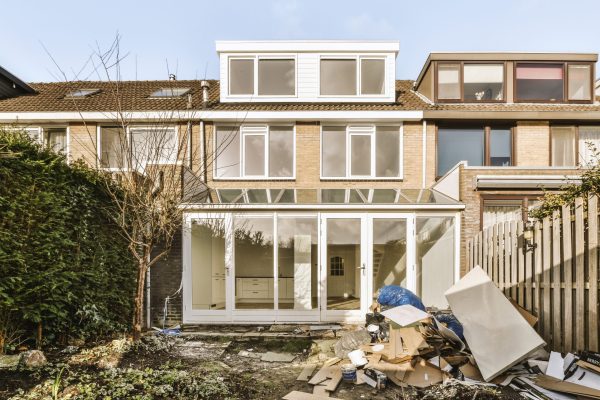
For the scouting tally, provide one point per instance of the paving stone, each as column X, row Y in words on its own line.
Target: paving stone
column 277, row 357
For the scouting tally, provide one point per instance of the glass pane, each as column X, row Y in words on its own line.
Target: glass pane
column 257, row 196
column 241, row 77
column 254, row 155
column 580, row 84
column 384, row 196
column 372, row 76
column 435, row 259
column 343, row 264
column 230, row 195
column 338, row 77
column 333, row 195
column 334, row 151
column 455, row 145
column 589, row 145
column 227, row 152
column 448, row 81
column 276, row 77
column 298, row 262
column 282, row 195
column 500, row 147
column 563, row 146
column 496, row 211
column 483, row 82
column 113, row 147
column 359, row 196
column 387, row 151
column 540, row 82
column 56, row 139
column 389, row 253
column 208, row 264
column 254, row 286
column 281, row 151
column 360, row 155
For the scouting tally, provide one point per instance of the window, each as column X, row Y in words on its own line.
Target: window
column 82, row 93
column 589, row 145
column 539, row 82
column 580, row 82
column 478, row 146
column 113, row 147
column 254, row 151
column 483, row 82
column 372, row 76
column 241, row 76
column 448, row 82
column 498, row 209
column 563, row 146
column 500, row 147
column 338, row 77
column 153, row 145
column 276, row 77
column 56, row 139
column 336, row 266
column 163, row 93
column 361, row 152
column 470, row 82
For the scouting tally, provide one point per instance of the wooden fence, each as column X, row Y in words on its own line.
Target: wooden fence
column 549, row 268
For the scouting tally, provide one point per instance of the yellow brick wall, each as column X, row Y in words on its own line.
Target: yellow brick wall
column 83, row 143
column 532, row 144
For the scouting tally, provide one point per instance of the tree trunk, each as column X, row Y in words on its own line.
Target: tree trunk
column 138, row 311
column 1, row 343
column 38, row 339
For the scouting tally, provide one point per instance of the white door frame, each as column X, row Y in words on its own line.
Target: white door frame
column 190, row 315
column 344, row 315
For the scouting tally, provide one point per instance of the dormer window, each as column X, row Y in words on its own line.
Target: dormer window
column 554, row 82
column 262, row 76
column 343, row 77
column 580, row 81
column 470, row 82
column 81, row 93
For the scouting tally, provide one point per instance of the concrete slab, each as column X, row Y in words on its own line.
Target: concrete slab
column 278, row 357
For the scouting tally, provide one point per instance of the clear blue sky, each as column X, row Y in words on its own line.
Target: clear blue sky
column 183, row 32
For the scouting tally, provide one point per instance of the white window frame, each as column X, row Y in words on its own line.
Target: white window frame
column 255, row 129
column 99, row 148
column 174, row 128
column 364, row 129
column 358, row 59
column 43, row 131
column 256, row 59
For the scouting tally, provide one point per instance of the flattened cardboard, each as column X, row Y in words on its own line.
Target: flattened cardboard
column 320, row 376
column 529, row 317
column 550, row 383
column 412, row 340
column 405, row 315
column 471, row 371
column 320, row 390
column 498, row 336
column 425, row 374
column 389, row 367
column 296, row 395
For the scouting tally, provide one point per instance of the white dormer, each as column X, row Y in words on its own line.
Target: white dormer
column 324, row 71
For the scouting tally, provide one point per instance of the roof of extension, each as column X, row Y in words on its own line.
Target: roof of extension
column 135, row 96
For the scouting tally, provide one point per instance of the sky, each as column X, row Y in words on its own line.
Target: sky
column 40, row 40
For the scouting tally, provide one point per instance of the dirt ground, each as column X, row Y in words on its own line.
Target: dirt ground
column 199, row 368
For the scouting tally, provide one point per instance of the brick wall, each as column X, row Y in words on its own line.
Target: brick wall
column 532, row 144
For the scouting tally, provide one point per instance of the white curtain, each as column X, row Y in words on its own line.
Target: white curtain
column 493, row 214
column 563, row 146
column 589, row 145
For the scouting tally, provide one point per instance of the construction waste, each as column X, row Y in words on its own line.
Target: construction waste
column 486, row 339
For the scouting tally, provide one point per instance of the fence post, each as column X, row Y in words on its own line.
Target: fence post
column 537, row 234
column 546, row 277
column 514, row 278
column 521, row 263
column 593, row 272
column 579, row 276
column 567, row 245
column 556, row 283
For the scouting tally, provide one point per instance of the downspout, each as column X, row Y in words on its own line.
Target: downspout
column 148, row 318
column 189, row 144
column 202, row 155
column 424, row 183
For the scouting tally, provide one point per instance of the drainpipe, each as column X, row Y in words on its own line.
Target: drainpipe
column 148, row 319
column 189, row 144
column 202, row 155
column 424, row 183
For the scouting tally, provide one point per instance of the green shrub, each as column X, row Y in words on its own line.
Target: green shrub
column 65, row 267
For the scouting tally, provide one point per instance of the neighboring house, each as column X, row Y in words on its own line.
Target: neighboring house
column 329, row 178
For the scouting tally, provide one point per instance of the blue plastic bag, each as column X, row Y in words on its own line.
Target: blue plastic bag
column 451, row 323
column 394, row 296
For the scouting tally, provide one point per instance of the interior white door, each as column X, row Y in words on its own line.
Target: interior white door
column 344, row 269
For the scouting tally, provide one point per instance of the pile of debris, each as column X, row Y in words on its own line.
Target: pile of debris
column 485, row 340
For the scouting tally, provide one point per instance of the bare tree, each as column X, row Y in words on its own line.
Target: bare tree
column 155, row 165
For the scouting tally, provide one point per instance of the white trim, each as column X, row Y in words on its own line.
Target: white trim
column 358, row 84
column 315, row 207
column 217, row 116
column 68, row 149
column 166, row 128
column 223, row 46
column 424, row 153
column 256, row 58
